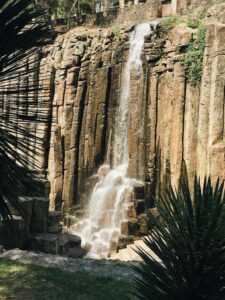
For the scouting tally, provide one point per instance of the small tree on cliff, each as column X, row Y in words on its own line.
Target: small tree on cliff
column 23, row 31
column 189, row 240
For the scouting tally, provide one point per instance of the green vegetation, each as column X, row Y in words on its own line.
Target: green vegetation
column 192, row 23
column 189, row 239
column 27, row 282
column 193, row 59
column 63, row 7
column 202, row 15
column 168, row 23
column 117, row 33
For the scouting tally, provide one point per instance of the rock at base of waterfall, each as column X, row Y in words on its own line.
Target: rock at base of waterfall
column 113, row 246
column 76, row 252
column 74, row 240
column 139, row 190
column 140, row 206
column 69, row 220
column 70, row 245
column 103, row 171
column 131, row 213
column 45, row 242
column 133, row 226
column 154, row 211
column 125, row 240
column 124, row 227
column 143, row 224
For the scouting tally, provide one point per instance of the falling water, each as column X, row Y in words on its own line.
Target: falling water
column 111, row 195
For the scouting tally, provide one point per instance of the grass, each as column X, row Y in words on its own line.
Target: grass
column 28, row 282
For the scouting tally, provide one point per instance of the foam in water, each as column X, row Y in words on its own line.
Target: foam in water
column 111, row 195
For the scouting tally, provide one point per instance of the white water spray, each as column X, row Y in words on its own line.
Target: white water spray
column 111, row 195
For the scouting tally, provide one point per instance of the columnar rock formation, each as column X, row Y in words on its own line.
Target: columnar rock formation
column 170, row 120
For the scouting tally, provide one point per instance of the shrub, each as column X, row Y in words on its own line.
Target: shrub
column 193, row 58
column 192, row 23
column 168, row 23
column 190, row 243
column 117, row 33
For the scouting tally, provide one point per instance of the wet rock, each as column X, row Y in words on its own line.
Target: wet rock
column 124, row 227
column 125, row 240
column 131, row 213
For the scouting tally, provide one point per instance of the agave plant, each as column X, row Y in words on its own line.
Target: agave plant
column 23, row 32
column 189, row 240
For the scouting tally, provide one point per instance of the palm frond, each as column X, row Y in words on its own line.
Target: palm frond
column 23, row 107
column 189, row 240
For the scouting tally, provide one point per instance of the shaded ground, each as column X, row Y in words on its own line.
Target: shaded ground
column 102, row 268
column 29, row 282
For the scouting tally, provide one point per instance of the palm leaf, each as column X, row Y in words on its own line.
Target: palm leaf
column 189, row 240
column 23, row 105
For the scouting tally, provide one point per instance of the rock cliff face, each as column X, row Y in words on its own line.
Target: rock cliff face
column 170, row 120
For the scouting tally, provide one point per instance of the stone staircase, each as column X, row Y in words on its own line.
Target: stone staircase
column 129, row 253
column 43, row 230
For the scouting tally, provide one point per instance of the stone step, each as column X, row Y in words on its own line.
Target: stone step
column 54, row 225
column 39, row 220
column 45, row 242
column 129, row 253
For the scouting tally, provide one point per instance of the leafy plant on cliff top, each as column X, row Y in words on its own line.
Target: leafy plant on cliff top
column 168, row 23
column 193, row 58
column 192, row 23
column 117, row 33
column 21, row 106
column 190, row 243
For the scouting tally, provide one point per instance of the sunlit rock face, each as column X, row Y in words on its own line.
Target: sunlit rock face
column 169, row 120
column 112, row 194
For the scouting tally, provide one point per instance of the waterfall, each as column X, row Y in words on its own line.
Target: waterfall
column 100, row 230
